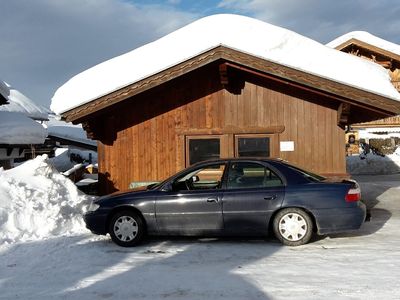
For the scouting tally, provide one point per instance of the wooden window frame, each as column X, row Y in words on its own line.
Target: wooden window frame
column 223, row 145
column 273, row 142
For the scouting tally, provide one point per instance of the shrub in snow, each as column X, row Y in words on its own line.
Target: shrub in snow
column 37, row 202
column 373, row 164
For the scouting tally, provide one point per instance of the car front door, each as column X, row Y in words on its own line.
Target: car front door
column 253, row 192
column 193, row 203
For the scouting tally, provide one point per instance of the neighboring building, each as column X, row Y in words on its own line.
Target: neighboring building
column 20, row 130
column 384, row 53
column 67, row 135
column 220, row 87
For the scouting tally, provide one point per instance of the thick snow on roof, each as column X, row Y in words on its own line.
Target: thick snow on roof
column 245, row 34
column 18, row 102
column 16, row 128
column 68, row 131
column 367, row 38
column 4, row 90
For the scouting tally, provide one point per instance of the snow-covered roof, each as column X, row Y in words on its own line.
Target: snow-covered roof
column 16, row 128
column 18, row 102
column 240, row 33
column 68, row 131
column 4, row 90
column 367, row 38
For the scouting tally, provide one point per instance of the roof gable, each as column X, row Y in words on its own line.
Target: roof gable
column 222, row 37
column 367, row 41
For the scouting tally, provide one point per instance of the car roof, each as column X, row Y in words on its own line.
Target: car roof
column 243, row 158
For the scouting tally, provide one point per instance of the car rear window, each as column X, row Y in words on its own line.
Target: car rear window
column 307, row 174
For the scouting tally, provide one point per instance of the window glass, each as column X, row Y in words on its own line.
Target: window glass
column 203, row 149
column 253, row 146
column 251, row 175
column 205, row 178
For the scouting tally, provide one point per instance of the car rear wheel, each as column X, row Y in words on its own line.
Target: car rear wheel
column 126, row 228
column 293, row 227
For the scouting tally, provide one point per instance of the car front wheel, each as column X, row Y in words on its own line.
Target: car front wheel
column 126, row 228
column 293, row 227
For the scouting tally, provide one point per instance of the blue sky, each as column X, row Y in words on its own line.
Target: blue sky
column 43, row 43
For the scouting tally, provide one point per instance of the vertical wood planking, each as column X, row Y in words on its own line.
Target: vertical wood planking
column 150, row 148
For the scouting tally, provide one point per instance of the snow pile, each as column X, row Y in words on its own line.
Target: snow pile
column 17, row 128
column 367, row 38
column 244, row 34
column 37, row 202
column 374, row 164
column 18, row 102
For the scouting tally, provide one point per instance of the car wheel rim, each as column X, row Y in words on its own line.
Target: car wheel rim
column 292, row 227
column 125, row 228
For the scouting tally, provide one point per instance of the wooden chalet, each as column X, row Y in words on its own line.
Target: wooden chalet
column 378, row 53
column 223, row 103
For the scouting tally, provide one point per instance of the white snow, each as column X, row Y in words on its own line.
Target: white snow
column 36, row 202
column 367, row 38
column 364, row 264
column 17, row 128
column 68, row 131
column 18, row 102
column 245, row 34
column 63, row 159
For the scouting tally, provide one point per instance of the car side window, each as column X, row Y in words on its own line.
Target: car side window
column 205, row 178
column 244, row 175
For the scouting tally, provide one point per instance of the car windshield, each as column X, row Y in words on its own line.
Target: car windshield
column 307, row 174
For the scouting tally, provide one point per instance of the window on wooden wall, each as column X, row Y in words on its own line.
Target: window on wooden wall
column 201, row 148
column 204, row 147
column 259, row 145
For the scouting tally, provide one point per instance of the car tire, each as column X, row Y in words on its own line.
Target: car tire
column 126, row 228
column 293, row 227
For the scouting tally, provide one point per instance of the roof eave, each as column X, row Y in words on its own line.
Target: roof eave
column 362, row 44
column 350, row 94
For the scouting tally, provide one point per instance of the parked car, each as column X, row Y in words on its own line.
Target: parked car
column 231, row 197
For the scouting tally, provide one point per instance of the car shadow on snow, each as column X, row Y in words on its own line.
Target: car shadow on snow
column 87, row 267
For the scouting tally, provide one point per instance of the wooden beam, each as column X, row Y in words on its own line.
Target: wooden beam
column 343, row 114
column 233, row 130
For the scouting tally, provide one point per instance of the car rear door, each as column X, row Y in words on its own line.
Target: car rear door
column 252, row 193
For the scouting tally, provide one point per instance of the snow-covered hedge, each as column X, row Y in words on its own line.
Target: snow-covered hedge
column 374, row 164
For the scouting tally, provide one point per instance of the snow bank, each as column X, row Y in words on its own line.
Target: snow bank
column 17, row 128
column 374, row 164
column 245, row 34
column 18, row 102
column 368, row 38
column 37, row 202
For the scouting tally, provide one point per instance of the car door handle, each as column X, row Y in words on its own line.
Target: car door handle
column 273, row 197
column 212, row 200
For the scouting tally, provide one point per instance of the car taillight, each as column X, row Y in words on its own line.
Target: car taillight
column 353, row 195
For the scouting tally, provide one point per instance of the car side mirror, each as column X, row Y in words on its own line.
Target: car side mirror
column 168, row 187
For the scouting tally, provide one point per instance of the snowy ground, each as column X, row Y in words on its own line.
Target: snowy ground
column 364, row 264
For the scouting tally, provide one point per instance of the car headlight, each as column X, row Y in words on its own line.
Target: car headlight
column 93, row 206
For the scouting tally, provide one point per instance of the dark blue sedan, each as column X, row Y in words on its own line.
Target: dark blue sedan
column 231, row 197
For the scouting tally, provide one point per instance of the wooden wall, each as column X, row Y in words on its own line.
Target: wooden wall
column 145, row 136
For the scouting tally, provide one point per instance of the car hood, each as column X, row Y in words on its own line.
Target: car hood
column 131, row 193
